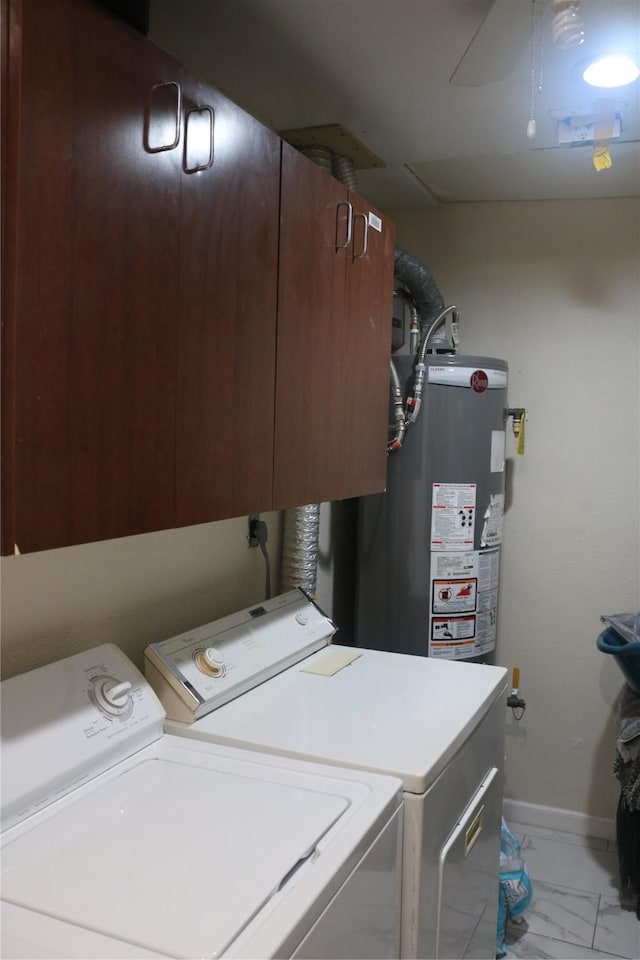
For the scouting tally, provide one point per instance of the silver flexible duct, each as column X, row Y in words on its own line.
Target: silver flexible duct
column 300, row 547
column 345, row 172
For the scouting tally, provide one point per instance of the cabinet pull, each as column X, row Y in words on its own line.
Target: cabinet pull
column 344, row 203
column 200, row 140
column 365, row 241
column 178, row 113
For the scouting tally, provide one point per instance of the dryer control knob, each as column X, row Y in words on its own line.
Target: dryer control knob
column 213, row 657
column 302, row 619
column 210, row 662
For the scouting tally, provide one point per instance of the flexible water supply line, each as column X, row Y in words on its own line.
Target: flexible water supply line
column 420, row 365
column 398, row 409
column 404, row 417
column 434, row 326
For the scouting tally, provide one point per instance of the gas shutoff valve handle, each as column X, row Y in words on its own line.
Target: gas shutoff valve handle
column 514, row 700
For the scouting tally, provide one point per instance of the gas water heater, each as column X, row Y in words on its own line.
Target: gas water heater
column 429, row 548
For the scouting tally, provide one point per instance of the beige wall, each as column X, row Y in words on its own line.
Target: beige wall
column 553, row 288
column 130, row 591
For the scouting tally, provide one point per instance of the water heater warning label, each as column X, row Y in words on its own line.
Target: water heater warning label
column 464, row 600
column 448, row 633
column 453, row 516
column 454, row 596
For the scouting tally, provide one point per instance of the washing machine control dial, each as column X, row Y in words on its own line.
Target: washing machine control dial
column 112, row 696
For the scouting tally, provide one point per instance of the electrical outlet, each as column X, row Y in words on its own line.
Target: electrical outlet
column 252, row 538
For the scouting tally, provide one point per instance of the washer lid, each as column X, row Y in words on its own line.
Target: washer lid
column 386, row 712
column 172, row 854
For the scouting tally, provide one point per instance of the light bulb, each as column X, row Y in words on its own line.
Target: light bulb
column 567, row 27
column 615, row 71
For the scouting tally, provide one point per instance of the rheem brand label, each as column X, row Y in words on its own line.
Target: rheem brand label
column 479, row 381
column 467, row 377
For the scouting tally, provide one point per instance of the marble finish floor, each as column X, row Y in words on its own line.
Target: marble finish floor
column 575, row 910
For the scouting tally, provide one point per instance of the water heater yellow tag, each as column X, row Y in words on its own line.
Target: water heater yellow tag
column 520, row 443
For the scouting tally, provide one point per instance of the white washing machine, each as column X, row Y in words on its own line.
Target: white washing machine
column 266, row 679
column 121, row 841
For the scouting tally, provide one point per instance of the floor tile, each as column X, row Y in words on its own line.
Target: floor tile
column 580, row 840
column 534, row 947
column 570, row 865
column 617, row 930
column 559, row 913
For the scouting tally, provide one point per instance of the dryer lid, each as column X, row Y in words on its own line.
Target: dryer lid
column 171, row 854
column 389, row 713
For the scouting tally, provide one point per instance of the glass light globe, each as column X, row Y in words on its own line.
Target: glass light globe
column 615, row 71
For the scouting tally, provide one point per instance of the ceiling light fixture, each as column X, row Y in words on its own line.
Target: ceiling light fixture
column 614, row 71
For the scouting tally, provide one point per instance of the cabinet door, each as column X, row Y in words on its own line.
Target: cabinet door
column 91, row 298
column 311, row 365
column 227, row 333
column 369, row 309
column 334, row 335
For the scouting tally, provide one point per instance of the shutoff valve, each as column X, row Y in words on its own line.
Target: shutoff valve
column 514, row 700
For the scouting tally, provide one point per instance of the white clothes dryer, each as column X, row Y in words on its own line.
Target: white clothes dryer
column 122, row 841
column 265, row 679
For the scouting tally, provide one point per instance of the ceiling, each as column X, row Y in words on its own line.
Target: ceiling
column 384, row 69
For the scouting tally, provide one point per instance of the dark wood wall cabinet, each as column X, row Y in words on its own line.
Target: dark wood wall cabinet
column 196, row 319
column 334, row 339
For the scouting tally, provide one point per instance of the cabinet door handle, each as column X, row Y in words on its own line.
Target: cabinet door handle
column 344, row 203
column 365, row 240
column 190, row 115
column 178, row 114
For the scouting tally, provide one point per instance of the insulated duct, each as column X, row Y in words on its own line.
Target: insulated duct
column 419, row 291
column 415, row 276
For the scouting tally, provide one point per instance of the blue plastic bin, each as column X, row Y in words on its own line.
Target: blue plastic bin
column 627, row 655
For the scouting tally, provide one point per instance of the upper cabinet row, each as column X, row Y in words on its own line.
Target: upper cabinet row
column 196, row 319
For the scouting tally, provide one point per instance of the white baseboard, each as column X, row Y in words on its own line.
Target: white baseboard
column 555, row 818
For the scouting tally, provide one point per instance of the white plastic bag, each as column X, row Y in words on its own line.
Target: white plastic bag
column 626, row 624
